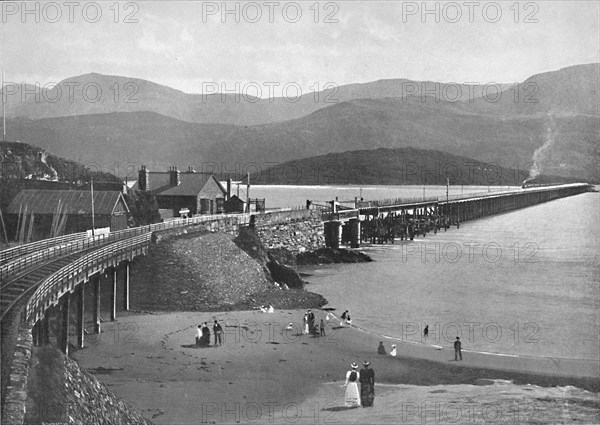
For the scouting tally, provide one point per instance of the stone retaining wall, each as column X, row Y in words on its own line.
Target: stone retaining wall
column 15, row 400
column 296, row 231
column 224, row 225
column 91, row 403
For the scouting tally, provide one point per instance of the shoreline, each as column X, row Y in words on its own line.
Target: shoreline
column 554, row 366
column 149, row 360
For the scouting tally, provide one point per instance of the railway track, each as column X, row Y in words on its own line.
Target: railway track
column 14, row 295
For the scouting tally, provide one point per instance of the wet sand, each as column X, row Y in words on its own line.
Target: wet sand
column 266, row 374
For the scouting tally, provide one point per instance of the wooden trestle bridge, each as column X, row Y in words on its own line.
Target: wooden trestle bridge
column 376, row 222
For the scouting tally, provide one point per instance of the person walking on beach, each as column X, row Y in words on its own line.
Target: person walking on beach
column 381, row 348
column 199, row 336
column 305, row 324
column 311, row 321
column 426, row 332
column 206, row 334
column 217, row 330
column 367, row 385
column 322, row 328
column 352, row 398
column 457, row 349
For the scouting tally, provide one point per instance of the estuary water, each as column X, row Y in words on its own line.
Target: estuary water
column 282, row 196
column 521, row 283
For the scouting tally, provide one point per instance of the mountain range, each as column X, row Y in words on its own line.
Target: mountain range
column 551, row 118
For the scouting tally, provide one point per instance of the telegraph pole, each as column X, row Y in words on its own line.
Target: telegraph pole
column 93, row 220
column 3, row 108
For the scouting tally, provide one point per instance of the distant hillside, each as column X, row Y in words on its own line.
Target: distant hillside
column 99, row 94
column 24, row 161
column 571, row 90
column 574, row 90
column 124, row 141
column 559, row 131
column 392, row 167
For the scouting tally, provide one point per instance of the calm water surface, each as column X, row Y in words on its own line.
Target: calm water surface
column 280, row 196
column 519, row 283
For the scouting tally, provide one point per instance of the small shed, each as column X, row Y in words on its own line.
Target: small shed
column 235, row 204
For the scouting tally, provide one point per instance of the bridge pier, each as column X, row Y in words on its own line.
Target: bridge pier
column 65, row 307
column 126, row 287
column 35, row 333
column 81, row 315
column 46, row 329
column 96, row 306
column 354, row 224
column 332, row 233
column 113, row 294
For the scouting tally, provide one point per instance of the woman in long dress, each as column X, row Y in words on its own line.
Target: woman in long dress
column 367, row 385
column 352, row 398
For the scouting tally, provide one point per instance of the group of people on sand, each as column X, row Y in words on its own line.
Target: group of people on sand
column 309, row 325
column 203, row 334
column 267, row 309
column 381, row 349
column 366, row 379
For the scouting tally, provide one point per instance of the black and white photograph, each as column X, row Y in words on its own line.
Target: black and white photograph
column 300, row 212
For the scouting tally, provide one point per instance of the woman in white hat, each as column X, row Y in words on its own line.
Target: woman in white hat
column 352, row 398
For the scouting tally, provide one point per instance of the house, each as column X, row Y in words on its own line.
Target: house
column 49, row 207
column 183, row 194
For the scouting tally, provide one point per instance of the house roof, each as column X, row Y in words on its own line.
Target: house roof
column 191, row 184
column 72, row 201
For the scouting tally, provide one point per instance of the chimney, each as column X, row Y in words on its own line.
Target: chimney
column 174, row 176
column 144, row 179
column 191, row 169
column 228, row 196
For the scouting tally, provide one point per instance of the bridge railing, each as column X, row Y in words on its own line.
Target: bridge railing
column 397, row 201
column 50, row 289
column 20, row 264
column 20, row 250
column 57, row 247
column 340, row 215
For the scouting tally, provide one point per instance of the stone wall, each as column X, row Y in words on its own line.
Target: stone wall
column 91, row 403
column 15, row 399
column 88, row 402
column 224, row 225
column 296, row 231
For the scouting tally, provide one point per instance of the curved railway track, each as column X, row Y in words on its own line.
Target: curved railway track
column 14, row 295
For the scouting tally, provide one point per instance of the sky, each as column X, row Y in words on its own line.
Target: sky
column 191, row 46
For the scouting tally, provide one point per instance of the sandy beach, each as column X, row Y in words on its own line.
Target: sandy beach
column 266, row 374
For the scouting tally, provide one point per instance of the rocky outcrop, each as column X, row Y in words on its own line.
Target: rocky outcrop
column 330, row 256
